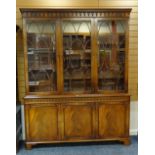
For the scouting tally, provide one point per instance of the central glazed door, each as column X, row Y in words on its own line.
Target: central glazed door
column 77, row 55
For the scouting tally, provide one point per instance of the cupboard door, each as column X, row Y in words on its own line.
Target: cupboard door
column 41, row 54
column 43, row 122
column 78, row 121
column 113, row 120
column 77, row 55
column 112, row 54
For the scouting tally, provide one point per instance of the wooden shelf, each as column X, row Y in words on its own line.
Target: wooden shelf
column 33, row 83
column 40, row 83
column 77, row 78
column 107, row 34
column 42, row 68
column 77, row 52
column 40, row 50
column 65, row 34
column 121, row 49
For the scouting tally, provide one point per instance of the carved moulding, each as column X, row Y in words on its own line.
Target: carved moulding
column 75, row 13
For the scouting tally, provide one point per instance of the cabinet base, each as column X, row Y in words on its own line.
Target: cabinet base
column 126, row 141
column 29, row 145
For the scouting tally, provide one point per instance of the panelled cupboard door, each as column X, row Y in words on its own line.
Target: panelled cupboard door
column 78, row 121
column 43, row 122
column 112, row 120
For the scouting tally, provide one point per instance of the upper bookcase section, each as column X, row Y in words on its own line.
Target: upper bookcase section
column 75, row 13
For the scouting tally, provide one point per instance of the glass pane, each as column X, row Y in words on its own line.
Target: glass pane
column 41, row 56
column 111, row 66
column 77, row 56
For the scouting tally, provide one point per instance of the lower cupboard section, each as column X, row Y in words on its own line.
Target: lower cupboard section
column 75, row 122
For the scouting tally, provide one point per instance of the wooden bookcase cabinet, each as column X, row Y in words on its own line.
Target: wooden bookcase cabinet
column 76, row 72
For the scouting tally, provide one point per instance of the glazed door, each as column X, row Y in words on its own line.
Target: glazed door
column 41, row 56
column 42, row 122
column 112, row 55
column 77, row 55
column 78, row 120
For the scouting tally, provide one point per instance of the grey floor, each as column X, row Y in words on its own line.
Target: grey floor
column 99, row 148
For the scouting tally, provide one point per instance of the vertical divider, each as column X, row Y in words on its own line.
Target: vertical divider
column 126, row 55
column 59, row 56
column 127, row 121
column 114, row 43
column 97, row 119
column 26, row 111
column 60, row 122
column 94, row 119
column 25, row 56
column 94, row 50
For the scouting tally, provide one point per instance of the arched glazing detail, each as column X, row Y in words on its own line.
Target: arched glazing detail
column 77, row 56
column 41, row 56
column 111, row 56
